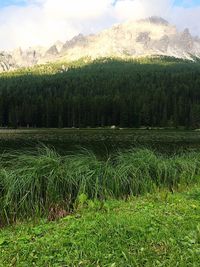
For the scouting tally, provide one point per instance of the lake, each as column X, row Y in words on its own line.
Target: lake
column 100, row 141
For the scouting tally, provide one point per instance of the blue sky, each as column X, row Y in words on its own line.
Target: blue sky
column 187, row 3
column 182, row 3
column 4, row 3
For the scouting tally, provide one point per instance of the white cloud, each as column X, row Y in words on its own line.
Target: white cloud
column 42, row 22
column 142, row 8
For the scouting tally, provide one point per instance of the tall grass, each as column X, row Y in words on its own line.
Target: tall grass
column 31, row 184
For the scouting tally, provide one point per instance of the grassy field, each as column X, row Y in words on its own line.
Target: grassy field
column 131, row 207
column 161, row 229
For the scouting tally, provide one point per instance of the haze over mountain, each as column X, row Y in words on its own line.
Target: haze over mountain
column 146, row 37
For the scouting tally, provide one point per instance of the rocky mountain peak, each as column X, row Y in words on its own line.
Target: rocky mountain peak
column 155, row 20
column 79, row 40
column 59, row 45
column 150, row 36
column 52, row 51
column 186, row 40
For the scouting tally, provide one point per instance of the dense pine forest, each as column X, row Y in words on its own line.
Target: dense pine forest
column 159, row 92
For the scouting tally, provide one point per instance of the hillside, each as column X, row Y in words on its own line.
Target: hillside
column 127, row 93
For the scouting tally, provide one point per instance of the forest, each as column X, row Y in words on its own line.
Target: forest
column 150, row 92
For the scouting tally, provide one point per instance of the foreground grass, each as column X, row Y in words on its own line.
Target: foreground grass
column 161, row 229
column 33, row 185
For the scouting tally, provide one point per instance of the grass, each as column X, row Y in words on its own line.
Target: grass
column 35, row 185
column 161, row 229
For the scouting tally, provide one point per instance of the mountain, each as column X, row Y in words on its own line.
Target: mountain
column 151, row 36
column 6, row 62
column 20, row 58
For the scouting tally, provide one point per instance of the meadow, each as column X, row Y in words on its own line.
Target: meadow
column 159, row 229
column 99, row 197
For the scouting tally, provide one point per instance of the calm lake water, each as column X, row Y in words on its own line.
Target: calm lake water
column 100, row 141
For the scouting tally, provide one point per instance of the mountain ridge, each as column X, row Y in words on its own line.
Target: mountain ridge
column 153, row 36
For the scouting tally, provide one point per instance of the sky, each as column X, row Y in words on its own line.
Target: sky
column 25, row 23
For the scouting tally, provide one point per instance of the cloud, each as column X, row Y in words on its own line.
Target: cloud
column 42, row 22
column 134, row 9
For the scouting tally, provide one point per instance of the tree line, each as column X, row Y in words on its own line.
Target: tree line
column 154, row 92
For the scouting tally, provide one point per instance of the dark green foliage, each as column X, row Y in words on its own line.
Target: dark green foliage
column 31, row 184
column 144, row 92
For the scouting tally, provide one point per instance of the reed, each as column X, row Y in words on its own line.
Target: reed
column 31, row 184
